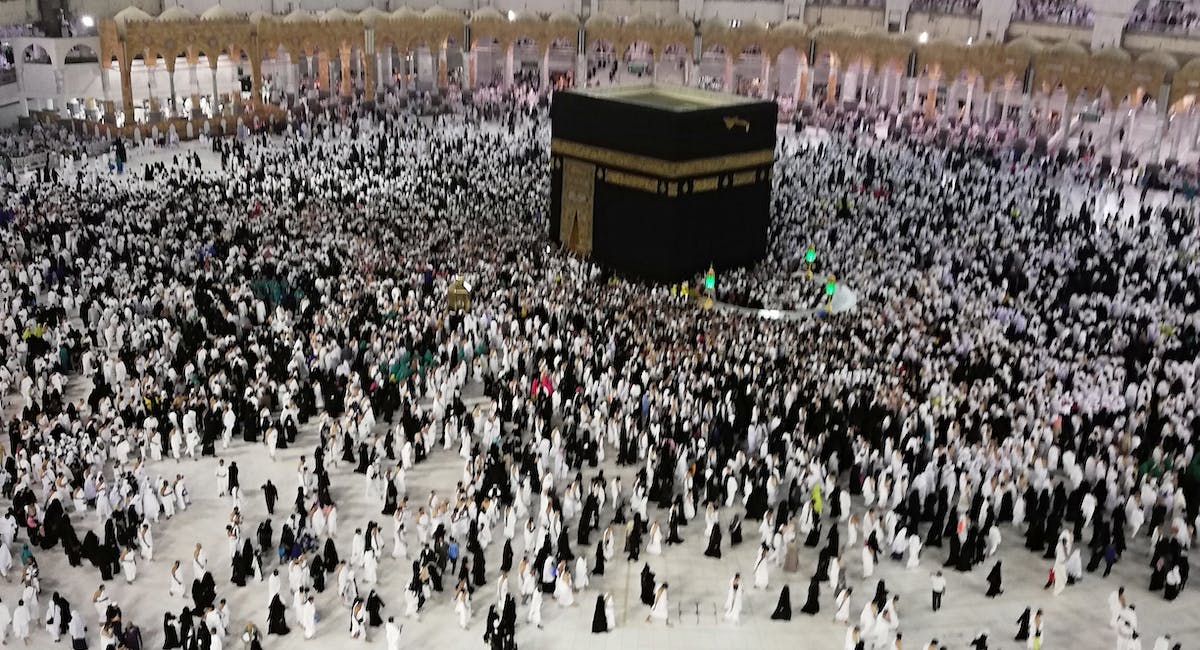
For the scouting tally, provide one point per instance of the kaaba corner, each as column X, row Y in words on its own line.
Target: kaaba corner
column 658, row 182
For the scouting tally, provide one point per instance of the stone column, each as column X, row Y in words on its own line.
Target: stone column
column 864, row 78
column 801, row 84
column 1068, row 114
column 152, row 83
column 831, row 87
column 931, row 97
column 546, row 69
column 988, row 102
column 323, row 71
column 765, row 76
column 256, row 80
column 970, row 98
column 171, row 86
column 106, row 89
column 727, row 80
column 388, row 74
column 344, row 88
column 443, row 70
column 370, row 71
column 581, row 70
column 1176, row 134
column 403, row 82
column 215, row 103
column 508, row 65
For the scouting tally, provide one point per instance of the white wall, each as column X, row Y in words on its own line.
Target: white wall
column 37, row 80
column 83, row 80
column 240, row 6
column 15, row 12
column 109, row 8
column 762, row 11
column 850, row 17
column 954, row 28
column 635, row 7
column 538, row 6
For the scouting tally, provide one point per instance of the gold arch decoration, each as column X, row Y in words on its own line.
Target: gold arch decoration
column 133, row 34
column 1186, row 82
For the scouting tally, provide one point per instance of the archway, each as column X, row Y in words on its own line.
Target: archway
column 81, row 53
column 35, row 54
column 713, row 68
column 748, row 72
column 602, row 63
column 560, row 61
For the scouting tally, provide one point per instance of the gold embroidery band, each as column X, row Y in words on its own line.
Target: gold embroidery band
column 644, row 183
column 658, row 167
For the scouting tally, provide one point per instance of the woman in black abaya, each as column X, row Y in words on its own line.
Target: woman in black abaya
column 598, row 570
column 647, row 586
column 783, row 610
column 1023, row 625
column 170, row 634
column 813, row 606
column 714, row 543
column 375, row 605
column 994, row 581
column 599, row 619
column 276, row 623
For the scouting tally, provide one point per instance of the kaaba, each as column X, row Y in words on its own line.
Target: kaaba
column 659, row 182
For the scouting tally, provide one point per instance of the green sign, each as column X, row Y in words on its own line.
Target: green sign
column 810, row 255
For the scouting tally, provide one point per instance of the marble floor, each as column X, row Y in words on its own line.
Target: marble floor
column 1077, row 619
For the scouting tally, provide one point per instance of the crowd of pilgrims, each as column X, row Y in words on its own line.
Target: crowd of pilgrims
column 1019, row 359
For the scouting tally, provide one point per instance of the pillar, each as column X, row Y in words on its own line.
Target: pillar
column 387, row 74
column 765, row 77
column 988, row 102
column 1176, row 136
column 581, row 70
column 831, row 88
column 546, row 68
column 370, row 70
column 508, row 65
column 801, row 84
column 1008, row 85
column 215, row 103
column 152, row 83
column 403, row 82
column 322, row 71
column 344, row 88
column 443, row 70
column 931, row 97
column 106, row 89
column 727, row 78
column 171, row 87
column 256, row 80
column 1068, row 113
column 864, row 77
column 970, row 98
